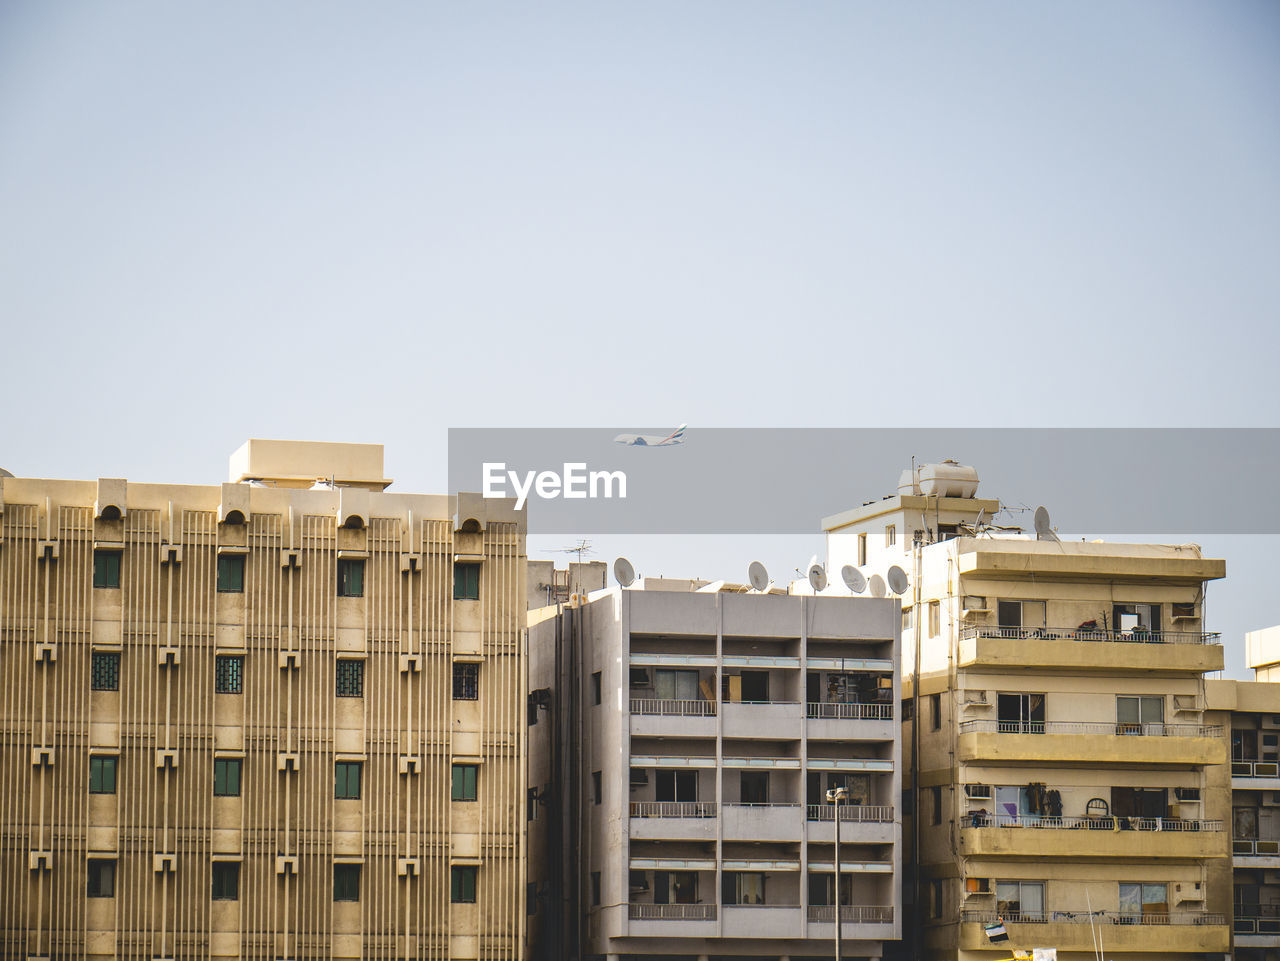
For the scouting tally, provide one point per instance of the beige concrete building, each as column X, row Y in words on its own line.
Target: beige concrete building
column 1250, row 711
column 1064, row 762
column 684, row 738
column 279, row 717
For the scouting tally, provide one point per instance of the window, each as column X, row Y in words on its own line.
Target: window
column 936, row 792
column 908, row 709
column 106, row 573
column 1139, row 802
column 1136, row 618
column 595, row 888
column 466, row 582
column 675, row 887
column 1020, row 900
column 753, row 787
column 462, row 884
column 346, row 882
column 346, row 780
column 862, row 550
column 935, row 712
column 106, row 670
column 934, row 618
column 935, row 899
column 102, row 774
column 230, row 573
column 1143, row 901
column 890, row 536
column 464, row 782
column 1020, row 713
column 226, row 776
column 755, row 686
column 595, row 688
column 1139, row 714
column 597, row 787
column 226, row 880
column 102, row 877
column 350, row 678
column 676, row 685
column 351, row 578
column 906, row 618
column 466, row 681
column 742, row 887
column 1017, row 618
column 822, row 889
column 228, row 673
column 675, row 786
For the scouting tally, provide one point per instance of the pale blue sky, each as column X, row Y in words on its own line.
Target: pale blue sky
column 376, row 221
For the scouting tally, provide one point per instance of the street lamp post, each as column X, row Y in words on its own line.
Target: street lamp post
column 835, row 795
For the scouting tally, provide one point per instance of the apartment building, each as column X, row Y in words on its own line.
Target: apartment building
column 1056, row 730
column 683, row 738
column 280, row 717
column 1250, row 712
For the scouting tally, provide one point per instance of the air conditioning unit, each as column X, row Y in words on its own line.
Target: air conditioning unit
column 975, row 697
column 641, row 679
column 977, row 885
column 978, row 792
column 1187, row 793
column 639, row 777
column 1271, row 722
column 1271, row 877
column 1271, row 798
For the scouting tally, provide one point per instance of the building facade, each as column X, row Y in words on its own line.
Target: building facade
column 1062, row 759
column 275, row 718
column 1250, row 712
column 682, row 745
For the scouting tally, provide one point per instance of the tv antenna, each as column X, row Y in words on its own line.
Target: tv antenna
column 758, row 577
column 1044, row 531
column 853, row 579
column 583, row 548
column 817, row 578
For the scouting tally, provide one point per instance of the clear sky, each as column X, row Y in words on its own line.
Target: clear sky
column 375, row 221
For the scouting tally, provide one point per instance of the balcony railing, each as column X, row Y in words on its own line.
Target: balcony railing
column 1082, row 634
column 673, row 809
column 1107, row 823
column 856, row 913
column 673, row 707
column 1096, row 917
column 1255, row 769
column 860, row 712
column 1151, row 729
column 762, row 805
column 1256, row 919
column 671, row 912
column 1255, row 847
column 864, row 813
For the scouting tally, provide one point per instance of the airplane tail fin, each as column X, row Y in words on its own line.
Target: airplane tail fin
column 679, row 433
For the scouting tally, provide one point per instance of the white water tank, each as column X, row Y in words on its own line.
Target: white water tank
column 948, row 479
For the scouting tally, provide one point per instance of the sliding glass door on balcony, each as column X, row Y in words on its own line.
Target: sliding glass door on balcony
column 1018, row 713
column 1139, row 715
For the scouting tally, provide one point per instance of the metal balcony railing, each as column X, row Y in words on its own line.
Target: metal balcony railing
column 1097, row 917
column 856, row 913
column 1256, row 919
column 1255, row 769
column 1255, row 847
column 673, row 707
column 762, row 805
column 860, row 712
column 866, row 813
column 1082, row 634
column 1107, row 823
column 671, row 912
column 673, row 809
column 1150, row 729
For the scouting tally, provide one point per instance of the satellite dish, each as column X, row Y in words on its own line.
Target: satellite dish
column 897, row 578
column 877, row 586
column 758, row 577
column 817, row 578
column 853, row 579
column 623, row 572
column 1044, row 532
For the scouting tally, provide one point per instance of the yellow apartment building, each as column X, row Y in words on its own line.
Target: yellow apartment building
column 276, row 718
column 1063, row 764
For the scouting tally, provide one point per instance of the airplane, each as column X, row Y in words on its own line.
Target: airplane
column 652, row 440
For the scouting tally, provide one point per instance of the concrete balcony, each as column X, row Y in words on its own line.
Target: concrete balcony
column 996, row 836
column 1256, row 853
column 672, row 920
column 674, row 820
column 1255, row 776
column 775, row 720
column 1070, row 649
column 758, row 921
column 850, row 722
column 762, row 822
column 669, row 717
column 1161, row 935
column 858, row 922
column 1091, row 743
column 859, row 823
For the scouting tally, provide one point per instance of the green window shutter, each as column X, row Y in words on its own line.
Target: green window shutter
column 231, row 573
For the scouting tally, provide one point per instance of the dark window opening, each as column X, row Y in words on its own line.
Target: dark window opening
column 228, row 674
column 226, row 776
column 351, row 577
column 462, row 883
column 466, row 681
column 230, row 573
column 106, row 671
column 346, row 882
column 350, row 678
column 102, row 878
column 226, row 880
column 464, row 782
column 102, row 774
column 106, row 570
column 346, row 780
